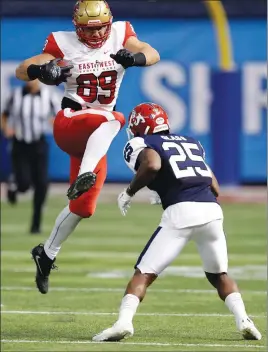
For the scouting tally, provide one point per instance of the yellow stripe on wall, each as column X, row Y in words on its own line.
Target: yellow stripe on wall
column 220, row 21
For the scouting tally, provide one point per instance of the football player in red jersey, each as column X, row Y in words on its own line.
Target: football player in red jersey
column 99, row 51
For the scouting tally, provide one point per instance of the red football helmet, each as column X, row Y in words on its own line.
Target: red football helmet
column 147, row 118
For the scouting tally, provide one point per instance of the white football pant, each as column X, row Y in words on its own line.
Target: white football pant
column 167, row 242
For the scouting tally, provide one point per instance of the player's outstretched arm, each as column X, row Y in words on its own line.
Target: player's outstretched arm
column 150, row 163
column 134, row 45
column 21, row 70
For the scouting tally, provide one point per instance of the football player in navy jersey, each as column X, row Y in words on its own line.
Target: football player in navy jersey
column 174, row 166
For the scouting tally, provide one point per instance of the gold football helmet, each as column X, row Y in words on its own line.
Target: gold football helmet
column 93, row 22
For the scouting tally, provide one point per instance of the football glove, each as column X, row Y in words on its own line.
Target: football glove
column 50, row 73
column 123, row 202
column 154, row 198
column 127, row 59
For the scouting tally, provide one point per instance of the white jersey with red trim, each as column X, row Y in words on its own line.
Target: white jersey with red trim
column 96, row 77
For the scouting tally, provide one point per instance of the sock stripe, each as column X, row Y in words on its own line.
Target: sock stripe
column 58, row 229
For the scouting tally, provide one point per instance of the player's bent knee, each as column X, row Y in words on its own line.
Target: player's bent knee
column 149, row 275
column 150, row 278
column 81, row 210
column 215, row 278
column 120, row 117
column 144, row 278
column 148, row 268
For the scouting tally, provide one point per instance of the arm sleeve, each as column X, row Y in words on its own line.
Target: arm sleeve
column 8, row 106
column 132, row 150
column 130, row 32
column 51, row 47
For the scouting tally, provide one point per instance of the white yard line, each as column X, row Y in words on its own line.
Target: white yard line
column 115, row 289
column 137, row 343
column 80, row 254
column 130, row 255
column 117, row 241
column 113, row 313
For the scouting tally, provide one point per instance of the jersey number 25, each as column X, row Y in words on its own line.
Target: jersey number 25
column 184, row 152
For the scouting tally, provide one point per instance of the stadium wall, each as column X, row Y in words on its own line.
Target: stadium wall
column 142, row 9
column 180, row 82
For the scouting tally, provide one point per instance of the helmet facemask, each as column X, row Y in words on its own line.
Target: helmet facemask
column 93, row 42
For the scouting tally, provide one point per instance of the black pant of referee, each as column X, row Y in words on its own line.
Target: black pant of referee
column 30, row 168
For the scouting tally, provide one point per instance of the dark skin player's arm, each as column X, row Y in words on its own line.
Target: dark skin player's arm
column 215, row 188
column 150, row 163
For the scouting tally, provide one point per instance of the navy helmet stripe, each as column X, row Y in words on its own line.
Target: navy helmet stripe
column 147, row 246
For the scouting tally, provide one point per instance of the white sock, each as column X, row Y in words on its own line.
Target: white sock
column 98, row 144
column 65, row 223
column 236, row 305
column 128, row 307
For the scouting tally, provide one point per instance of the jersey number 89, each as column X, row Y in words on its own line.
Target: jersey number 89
column 89, row 83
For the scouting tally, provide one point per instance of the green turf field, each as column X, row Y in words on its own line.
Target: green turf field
column 181, row 311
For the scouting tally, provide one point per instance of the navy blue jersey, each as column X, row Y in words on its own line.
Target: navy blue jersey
column 184, row 175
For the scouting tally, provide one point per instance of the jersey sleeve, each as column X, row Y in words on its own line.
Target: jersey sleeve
column 51, row 47
column 130, row 32
column 132, row 150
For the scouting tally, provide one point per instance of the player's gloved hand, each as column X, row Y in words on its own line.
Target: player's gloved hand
column 154, row 198
column 127, row 59
column 50, row 72
column 123, row 202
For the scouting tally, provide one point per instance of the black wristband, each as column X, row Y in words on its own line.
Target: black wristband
column 33, row 71
column 140, row 59
column 129, row 192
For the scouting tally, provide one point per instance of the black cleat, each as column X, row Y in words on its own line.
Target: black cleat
column 12, row 197
column 81, row 185
column 43, row 267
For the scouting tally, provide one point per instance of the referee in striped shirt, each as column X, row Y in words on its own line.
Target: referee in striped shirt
column 25, row 121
